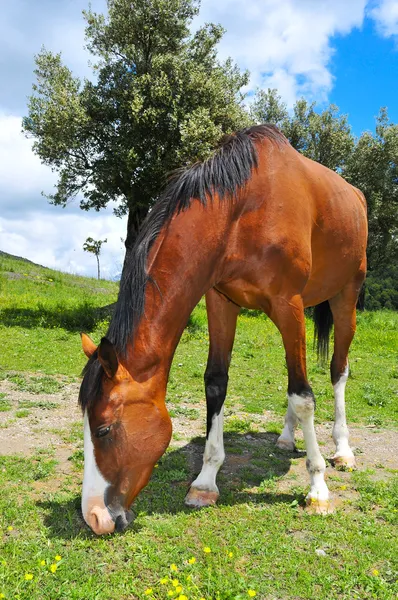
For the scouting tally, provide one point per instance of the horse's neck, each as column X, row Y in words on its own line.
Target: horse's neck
column 183, row 265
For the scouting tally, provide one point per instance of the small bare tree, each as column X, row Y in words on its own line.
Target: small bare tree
column 94, row 246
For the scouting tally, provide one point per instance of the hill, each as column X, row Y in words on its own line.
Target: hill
column 43, row 309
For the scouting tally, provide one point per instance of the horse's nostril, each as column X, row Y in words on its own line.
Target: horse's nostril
column 94, row 521
column 100, row 521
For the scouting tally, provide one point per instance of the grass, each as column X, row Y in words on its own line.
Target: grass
column 260, row 538
column 257, row 375
column 45, row 310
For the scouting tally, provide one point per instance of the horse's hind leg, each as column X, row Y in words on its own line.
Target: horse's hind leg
column 222, row 315
column 343, row 307
column 288, row 316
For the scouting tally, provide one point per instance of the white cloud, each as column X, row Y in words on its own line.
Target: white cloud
column 284, row 43
column 20, row 169
column 31, row 228
column 385, row 15
column 56, row 241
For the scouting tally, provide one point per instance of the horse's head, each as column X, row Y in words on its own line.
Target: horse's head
column 126, row 430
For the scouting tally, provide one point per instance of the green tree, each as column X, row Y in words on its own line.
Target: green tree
column 323, row 136
column 373, row 168
column 94, row 246
column 268, row 107
column 160, row 99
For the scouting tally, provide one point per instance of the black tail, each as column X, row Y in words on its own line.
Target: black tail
column 361, row 298
column 323, row 322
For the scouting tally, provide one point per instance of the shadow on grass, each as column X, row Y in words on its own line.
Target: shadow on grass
column 82, row 317
column 252, row 461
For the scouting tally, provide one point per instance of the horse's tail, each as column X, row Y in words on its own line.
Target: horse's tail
column 323, row 323
column 361, row 298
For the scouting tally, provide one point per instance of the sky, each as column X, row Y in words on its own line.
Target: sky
column 340, row 51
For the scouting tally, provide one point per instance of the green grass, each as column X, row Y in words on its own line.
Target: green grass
column 257, row 375
column 5, row 405
column 259, row 540
column 260, row 537
column 45, row 310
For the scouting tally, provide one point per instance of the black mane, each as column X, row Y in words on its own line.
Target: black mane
column 224, row 174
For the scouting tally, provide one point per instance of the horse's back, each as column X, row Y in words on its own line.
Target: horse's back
column 303, row 226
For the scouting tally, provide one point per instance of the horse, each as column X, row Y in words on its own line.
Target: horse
column 257, row 225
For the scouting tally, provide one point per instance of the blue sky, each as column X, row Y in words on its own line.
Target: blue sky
column 365, row 68
column 340, row 51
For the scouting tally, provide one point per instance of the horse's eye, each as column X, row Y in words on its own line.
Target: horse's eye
column 102, row 431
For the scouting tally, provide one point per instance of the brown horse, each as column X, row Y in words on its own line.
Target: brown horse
column 258, row 226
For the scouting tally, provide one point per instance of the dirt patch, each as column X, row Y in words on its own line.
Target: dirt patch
column 54, row 424
column 39, row 421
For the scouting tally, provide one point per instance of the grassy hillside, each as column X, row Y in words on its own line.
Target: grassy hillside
column 42, row 312
column 259, row 542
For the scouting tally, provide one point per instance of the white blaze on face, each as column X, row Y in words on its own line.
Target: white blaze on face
column 94, row 510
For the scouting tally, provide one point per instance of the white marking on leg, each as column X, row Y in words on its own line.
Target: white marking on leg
column 94, row 510
column 340, row 429
column 303, row 407
column 286, row 439
column 213, row 456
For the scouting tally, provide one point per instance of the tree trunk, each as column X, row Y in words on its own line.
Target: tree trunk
column 137, row 214
column 98, row 266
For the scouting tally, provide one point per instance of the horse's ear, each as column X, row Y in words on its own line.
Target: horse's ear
column 88, row 345
column 107, row 357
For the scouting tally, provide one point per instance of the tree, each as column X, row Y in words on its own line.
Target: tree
column 160, row 99
column 268, row 107
column 323, row 136
column 373, row 168
column 94, row 246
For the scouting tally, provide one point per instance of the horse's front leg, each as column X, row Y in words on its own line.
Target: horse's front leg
column 222, row 316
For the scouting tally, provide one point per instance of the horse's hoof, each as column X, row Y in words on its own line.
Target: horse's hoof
column 319, row 507
column 344, row 463
column 199, row 498
column 284, row 444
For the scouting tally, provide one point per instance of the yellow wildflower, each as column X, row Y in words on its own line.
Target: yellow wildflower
column 192, row 560
column 207, row 550
column 28, row 576
column 230, row 554
column 148, row 591
column 170, row 593
column 58, row 557
column 156, row 466
column 343, row 487
column 10, row 528
column 175, row 582
column 178, row 589
column 182, row 597
column 173, row 567
column 42, row 563
column 251, row 593
column 2, row 596
column 164, row 580
column 188, row 578
column 53, row 568
column 375, row 572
